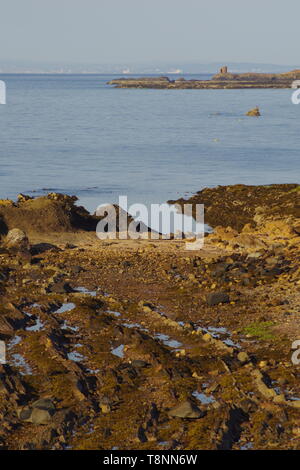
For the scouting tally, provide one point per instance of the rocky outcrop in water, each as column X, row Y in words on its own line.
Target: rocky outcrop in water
column 224, row 79
column 254, row 112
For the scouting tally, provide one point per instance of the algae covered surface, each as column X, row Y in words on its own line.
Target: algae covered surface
column 119, row 344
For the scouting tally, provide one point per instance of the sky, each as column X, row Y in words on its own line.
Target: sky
column 143, row 31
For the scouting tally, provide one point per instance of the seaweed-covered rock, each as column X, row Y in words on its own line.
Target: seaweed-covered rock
column 237, row 205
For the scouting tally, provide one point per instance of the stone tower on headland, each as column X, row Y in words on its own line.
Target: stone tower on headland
column 224, row 69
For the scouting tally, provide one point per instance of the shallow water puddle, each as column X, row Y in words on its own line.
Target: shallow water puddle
column 232, row 344
column 38, row 326
column 164, row 443
column 75, row 356
column 119, row 351
column 93, row 371
column 113, row 312
column 83, row 290
column 204, row 399
column 13, row 342
column 66, row 307
column 66, row 326
column 220, row 333
column 214, row 331
column 292, row 398
column 220, row 329
column 247, row 446
column 172, row 343
column 135, row 325
column 19, row 361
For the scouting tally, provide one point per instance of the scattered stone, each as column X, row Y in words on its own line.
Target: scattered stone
column 207, row 337
column 147, row 307
column 243, row 357
column 279, row 398
column 105, row 408
column 60, row 287
column 261, row 386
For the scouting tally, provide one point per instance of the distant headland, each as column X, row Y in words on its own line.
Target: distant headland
column 222, row 80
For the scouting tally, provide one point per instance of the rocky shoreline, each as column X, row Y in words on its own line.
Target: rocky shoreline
column 222, row 80
column 139, row 344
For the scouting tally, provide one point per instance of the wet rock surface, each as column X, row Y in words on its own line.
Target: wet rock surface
column 132, row 355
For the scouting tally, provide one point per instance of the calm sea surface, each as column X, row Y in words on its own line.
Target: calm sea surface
column 77, row 135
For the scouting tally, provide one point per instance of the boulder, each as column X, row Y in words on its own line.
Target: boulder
column 59, row 287
column 17, row 243
column 186, row 409
column 16, row 240
column 39, row 412
column 39, row 416
column 216, row 298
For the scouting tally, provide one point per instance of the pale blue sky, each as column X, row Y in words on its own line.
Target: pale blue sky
column 114, row 31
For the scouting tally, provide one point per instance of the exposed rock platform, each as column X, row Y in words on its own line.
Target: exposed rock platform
column 140, row 344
